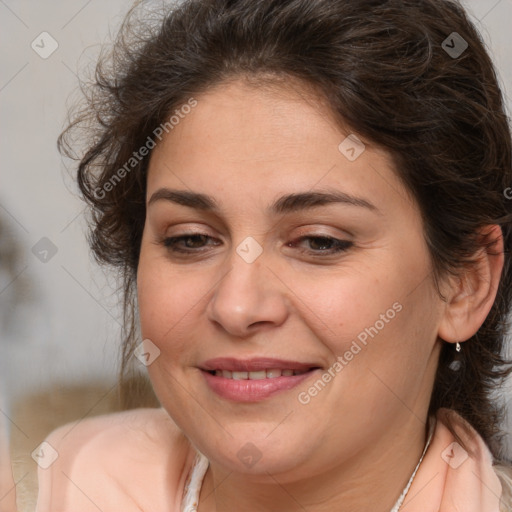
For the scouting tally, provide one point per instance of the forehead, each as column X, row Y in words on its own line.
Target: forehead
column 245, row 138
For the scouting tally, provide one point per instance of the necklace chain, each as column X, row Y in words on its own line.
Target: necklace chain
column 401, row 499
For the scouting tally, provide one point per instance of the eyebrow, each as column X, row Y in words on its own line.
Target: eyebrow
column 284, row 204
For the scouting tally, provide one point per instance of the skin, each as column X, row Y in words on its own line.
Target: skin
column 355, row 444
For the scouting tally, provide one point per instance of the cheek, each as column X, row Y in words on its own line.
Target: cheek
column 380, row 346
column 349, row 306
column 167, row 301
column 379, row 319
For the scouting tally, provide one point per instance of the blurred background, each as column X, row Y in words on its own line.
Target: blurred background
column 59, row 321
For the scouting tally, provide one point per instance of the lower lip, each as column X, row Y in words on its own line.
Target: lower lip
column 248, row 390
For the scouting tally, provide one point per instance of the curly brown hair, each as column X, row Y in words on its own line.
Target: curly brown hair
column 386, row 70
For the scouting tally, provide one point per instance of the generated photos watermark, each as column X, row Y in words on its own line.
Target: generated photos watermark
column 143, row 151
column 356, row 347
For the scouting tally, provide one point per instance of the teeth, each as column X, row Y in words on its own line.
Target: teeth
column 258, row 375
column 271, row 373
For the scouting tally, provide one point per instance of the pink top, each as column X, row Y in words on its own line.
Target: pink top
column 98, row 468
column 453, row 480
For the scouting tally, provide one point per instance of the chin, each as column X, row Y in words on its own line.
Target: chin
column 257, row 455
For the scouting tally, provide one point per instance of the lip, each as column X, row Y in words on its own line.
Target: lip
column 254, row 390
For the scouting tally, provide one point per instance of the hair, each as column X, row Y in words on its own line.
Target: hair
column 382, row 68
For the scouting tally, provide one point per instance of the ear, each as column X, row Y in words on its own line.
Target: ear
column 470, row 296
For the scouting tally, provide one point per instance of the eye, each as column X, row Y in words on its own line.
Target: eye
column 187, row 243
column 322, row 245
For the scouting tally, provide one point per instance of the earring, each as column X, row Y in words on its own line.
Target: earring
column 456, row 364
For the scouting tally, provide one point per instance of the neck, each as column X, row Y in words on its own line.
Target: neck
column 371, row 481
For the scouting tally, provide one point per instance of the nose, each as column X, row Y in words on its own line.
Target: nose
column 247, row 298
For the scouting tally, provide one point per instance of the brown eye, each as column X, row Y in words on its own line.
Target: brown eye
column 187, row 243
column 321, row 245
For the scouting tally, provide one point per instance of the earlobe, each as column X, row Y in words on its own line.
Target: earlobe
column 470, row 296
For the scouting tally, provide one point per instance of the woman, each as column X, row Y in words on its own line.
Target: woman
column 306, row 201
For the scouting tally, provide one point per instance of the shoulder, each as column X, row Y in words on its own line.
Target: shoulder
column 478, row 450
column 131, row 460
column 504, row 473
column 131, row 433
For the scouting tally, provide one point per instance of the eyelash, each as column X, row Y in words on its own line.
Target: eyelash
column 339, row 245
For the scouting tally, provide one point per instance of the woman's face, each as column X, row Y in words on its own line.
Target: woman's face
column 258, row 282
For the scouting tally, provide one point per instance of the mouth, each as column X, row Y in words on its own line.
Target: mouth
column 255, row 379
column 270, row 373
